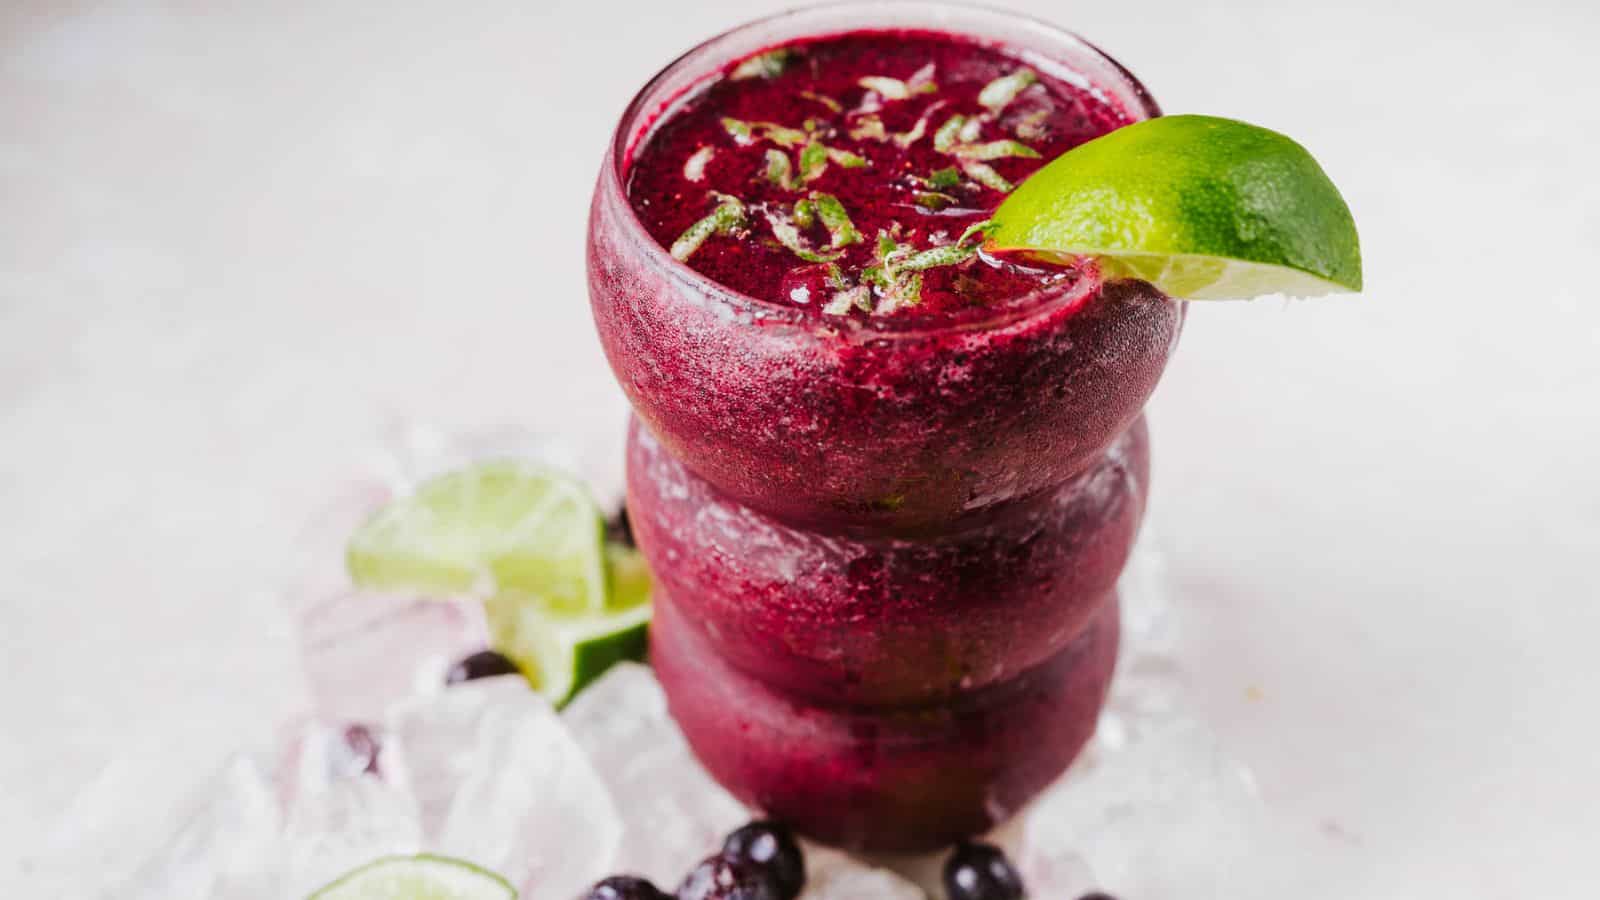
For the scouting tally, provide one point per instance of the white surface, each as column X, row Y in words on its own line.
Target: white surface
column 235, row 246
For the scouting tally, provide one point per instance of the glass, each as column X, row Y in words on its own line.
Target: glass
column 886, row 550
column 858, row 425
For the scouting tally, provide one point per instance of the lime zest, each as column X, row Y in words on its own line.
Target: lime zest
column 963, row 249
column 907, row 138
column 885, row 87
column 780, row 171
column 1001, row 149
column 998, row 94
column 846, row 159
column 902, row 292
column 859, row 297
column 727, row 218
column 920, row 82
column 694, row 168
column 782, row 135
column 789, row 236
column 746, row 133
column 887, row 245
column 740, row 131
column 933, row 200
column 934, row 257
column 1031, row 127
column 769, row 65
column 979, row 230
column 833, row 105
column 944, row 139
column 869, row 128
column 813, row 161
column 897, row 278
column 836, row 219
column 985, row 174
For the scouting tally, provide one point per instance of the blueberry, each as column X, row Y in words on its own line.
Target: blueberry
column 719, row 878
column 483, row 664
column 619, row 528
column 770, row 846
column 625, row 887
column 981, row 872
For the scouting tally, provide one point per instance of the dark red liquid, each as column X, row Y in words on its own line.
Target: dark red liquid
column 1048, row 116
column 883, row 622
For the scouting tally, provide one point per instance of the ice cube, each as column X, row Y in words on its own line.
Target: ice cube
column 316, row 565
column 673, row 813
column 364, row 651
column 225, row 848
column 1168, row 815
column 832, row 875
column 347, row 804
column 1145, row 591
column 523, row 799
column 1148, row 688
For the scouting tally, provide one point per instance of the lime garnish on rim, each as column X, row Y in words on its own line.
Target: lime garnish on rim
column 421, row 877
column 561, row 653
column 493, row 528
column 1201, row 207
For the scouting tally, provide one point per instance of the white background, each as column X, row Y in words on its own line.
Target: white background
column 238, row 245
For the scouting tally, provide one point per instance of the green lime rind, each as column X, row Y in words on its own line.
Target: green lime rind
column 560, row 602
column 492, row 528
column 420, row 877
column 561, row 653
column 1203, row 207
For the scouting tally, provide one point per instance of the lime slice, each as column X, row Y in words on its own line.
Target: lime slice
column 421, row 877
column 561, row 652
column 493, row 528
column 1201, row 207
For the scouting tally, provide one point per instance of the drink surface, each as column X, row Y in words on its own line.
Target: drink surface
column 845, row 174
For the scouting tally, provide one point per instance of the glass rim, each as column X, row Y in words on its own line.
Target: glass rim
column 645, row 111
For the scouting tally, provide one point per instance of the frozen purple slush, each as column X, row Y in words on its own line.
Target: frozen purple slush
column 886, row 537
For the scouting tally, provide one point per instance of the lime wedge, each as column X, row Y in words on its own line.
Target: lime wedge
column 1201, row 207
column 421, row 877
column 561, row 652
column 493, row 528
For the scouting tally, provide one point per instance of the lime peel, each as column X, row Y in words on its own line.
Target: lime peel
column 420, row 877
column 560, row 654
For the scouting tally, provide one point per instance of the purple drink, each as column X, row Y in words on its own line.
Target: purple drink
column 886, row 621
column 886, row 480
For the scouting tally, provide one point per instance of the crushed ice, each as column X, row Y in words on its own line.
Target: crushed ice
column 388, row 760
